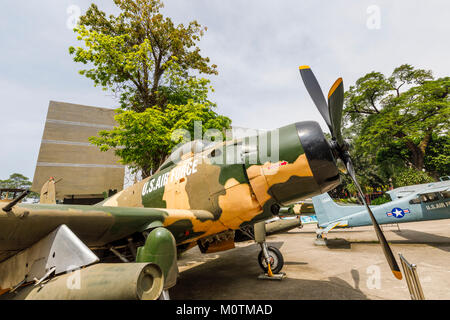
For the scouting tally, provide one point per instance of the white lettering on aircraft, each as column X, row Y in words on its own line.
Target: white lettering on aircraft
column 177, row 173
column 438, row 205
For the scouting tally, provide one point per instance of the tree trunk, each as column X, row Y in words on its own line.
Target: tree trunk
column 417, row 152
column 417, row 155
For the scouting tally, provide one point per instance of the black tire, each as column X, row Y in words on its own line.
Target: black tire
column 277, row 260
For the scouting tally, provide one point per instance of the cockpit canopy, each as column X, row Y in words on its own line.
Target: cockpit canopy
column 191, row 147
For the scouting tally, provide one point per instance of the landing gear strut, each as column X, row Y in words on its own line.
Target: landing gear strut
column 270, row 259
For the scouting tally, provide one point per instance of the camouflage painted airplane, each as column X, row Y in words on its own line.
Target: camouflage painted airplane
column 423, row 202
column 197, row 197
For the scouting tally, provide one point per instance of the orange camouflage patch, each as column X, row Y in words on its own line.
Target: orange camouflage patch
column 262, row 177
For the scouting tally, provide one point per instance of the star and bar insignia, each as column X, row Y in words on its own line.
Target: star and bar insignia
column 397, row 213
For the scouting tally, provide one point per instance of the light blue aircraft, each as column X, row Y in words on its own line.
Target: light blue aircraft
column 413, row 203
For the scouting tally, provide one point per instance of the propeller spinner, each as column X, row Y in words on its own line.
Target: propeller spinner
column 332, row 114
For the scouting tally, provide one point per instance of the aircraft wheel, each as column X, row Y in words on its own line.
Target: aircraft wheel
column 276, row 260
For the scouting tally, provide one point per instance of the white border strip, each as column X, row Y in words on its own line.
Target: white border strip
column 83, row 124
column 78, row 165
column 72, row 143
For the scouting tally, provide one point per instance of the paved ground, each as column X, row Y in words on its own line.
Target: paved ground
column 346, row 268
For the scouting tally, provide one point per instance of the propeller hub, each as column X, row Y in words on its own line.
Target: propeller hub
column 319, row 154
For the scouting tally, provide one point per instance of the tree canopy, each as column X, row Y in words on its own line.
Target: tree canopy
column 152, row 66
column 144, row 139
column 398, row 126
column 15, row 181
column 18, row 181
column 133, row 54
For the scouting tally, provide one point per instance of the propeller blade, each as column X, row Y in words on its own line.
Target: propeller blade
column 332, row 114
column 316, row 93
column 384, row 244
column 336, row 104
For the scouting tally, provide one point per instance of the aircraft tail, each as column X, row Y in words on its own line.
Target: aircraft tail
column 48, row 192
column 328, row 211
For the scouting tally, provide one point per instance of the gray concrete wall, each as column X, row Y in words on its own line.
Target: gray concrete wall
column 67, row 154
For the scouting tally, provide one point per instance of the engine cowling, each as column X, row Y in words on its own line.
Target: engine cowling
column 304, row 166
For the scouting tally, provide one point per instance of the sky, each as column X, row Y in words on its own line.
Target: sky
column 258, row 46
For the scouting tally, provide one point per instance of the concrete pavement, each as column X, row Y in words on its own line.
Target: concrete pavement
column 351, row 266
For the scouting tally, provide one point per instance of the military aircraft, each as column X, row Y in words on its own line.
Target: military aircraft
column 413, row 203
column 197, row 197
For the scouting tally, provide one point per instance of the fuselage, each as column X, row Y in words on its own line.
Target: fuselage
column 416, row 206
column 236, row 181
column 196, row 194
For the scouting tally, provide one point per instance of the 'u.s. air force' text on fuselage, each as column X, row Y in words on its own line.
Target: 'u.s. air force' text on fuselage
column 177, row 173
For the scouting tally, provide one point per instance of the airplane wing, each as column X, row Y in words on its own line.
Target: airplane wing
column 43, row 241
column 436, row 189
column 96, row 226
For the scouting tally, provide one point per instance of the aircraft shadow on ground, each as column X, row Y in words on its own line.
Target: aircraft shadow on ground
column 411, row 237
column 234, row 276
column 338, row 243
column 336, row 231
column 434, row 240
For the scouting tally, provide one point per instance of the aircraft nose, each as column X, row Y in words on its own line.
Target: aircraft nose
column 319, row 154
column 306, row 165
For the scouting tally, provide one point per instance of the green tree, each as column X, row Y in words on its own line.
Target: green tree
column 18, row 181
column 146, row 138
column 437, row 158
column 132, row 54
column 151, row 66
column 394, row 120
column 15, row 181
column 408, row 176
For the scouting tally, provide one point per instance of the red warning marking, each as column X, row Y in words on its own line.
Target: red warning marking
column 277, row 165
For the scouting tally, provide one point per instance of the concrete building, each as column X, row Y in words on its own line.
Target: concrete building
column 83, row 172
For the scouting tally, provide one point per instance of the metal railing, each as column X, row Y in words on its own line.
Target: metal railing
column 412, row 279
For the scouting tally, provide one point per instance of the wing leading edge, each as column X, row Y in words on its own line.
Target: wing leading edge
column 95, row 225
